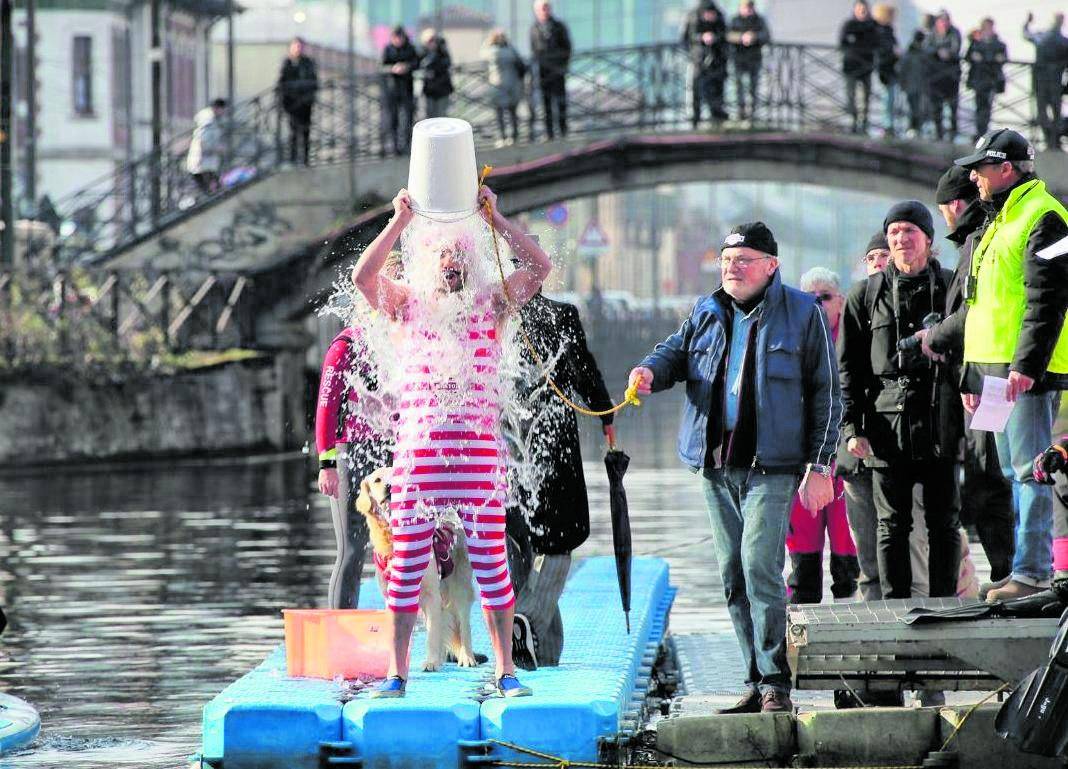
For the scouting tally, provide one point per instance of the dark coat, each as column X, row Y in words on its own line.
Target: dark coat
column 913, row 69
column 297, row 84
column 561, row 519
column 707, row 59
column 909, row 413
column 403, row 54
column 1051, row 55
column 550, row 48
column 748, row 57
column 436, row 66
column 858, row 41
column 944, row 51
column 986, row 59
column 947, row 338
column 886, row 54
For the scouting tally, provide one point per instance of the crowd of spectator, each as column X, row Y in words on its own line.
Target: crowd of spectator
column 920, row 83
column 849, row 417
column 929, row 71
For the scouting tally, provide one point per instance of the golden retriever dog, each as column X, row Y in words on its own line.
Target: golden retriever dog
column 445, row 604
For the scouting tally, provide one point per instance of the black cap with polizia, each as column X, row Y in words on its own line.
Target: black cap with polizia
column 1001, row 145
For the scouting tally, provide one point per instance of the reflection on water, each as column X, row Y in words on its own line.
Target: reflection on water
column 137, row 594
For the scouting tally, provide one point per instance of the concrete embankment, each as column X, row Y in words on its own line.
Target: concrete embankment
column 837, row 738
column 252, row 405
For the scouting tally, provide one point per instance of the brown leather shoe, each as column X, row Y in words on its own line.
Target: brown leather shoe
column 776, row 702
column 1012, row 589
column 750, row 703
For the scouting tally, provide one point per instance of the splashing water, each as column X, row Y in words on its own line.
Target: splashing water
column 451, row 274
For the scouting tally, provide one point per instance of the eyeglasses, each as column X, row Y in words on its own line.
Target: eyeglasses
column 826, row 296
column 871, row 258
column 741, row 261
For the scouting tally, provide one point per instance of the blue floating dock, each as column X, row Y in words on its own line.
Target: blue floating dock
column 266, row 719
column 19, row 723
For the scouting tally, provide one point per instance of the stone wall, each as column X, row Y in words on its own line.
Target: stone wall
column 254, row 405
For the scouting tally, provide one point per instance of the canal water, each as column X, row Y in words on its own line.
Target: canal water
column 136, row 593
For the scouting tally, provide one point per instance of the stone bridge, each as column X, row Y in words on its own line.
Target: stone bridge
column 292, row 232
column 289, row 229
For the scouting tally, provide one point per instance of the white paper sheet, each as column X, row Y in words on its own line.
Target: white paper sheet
column 994, row 411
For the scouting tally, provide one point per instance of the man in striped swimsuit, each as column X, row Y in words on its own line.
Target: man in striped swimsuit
column 449, row 456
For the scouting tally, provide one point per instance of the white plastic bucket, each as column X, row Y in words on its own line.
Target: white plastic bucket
column 442, row 174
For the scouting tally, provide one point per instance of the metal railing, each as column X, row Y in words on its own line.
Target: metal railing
column 80, row 319
column 637, row 88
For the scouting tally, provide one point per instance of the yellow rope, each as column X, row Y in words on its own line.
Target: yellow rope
column 630, row 397
column 971, row 710
column 563, row 763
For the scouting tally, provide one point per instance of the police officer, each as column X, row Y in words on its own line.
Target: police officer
column 1015, row 329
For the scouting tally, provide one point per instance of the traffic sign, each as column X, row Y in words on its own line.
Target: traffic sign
column 557, row 215
column 593, row 241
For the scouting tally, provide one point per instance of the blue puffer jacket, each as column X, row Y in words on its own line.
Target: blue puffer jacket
column 799, row 403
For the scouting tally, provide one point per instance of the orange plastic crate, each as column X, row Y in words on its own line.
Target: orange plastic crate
column 327, row 643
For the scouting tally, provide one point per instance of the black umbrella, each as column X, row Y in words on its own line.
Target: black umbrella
column 616, row 463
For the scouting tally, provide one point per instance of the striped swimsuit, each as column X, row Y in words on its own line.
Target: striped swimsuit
column 450, row 457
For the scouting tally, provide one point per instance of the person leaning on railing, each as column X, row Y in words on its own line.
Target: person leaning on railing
column 986, row 57
column 858, row 40
column 550, row 47
column 944, row 45
column 298, row 82
column 399, row 61
column 505, row 73
column 747, row 33
column 1051, row 60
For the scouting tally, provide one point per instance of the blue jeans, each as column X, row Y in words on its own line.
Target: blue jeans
column 1028, row 433
column 750, row 513
column 889, row 103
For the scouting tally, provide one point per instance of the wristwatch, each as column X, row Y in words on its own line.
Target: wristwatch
column 824, row 470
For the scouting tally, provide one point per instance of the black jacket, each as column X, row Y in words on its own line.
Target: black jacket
column 707, row 59
column 886, row 54
column 436, row 66
column 1051, row 54
column 907, row 412
column 944, row 51
column 550, row 47
column 402, row 54
column 858, row 41
column 297, row 84
column 913, row 69
column 748, row 57
column 947, row 338
column 986, row 59
column 561, row 518
column 1047, row 303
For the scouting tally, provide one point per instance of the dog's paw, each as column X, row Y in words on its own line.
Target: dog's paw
column 432, row 666
column 466, row 659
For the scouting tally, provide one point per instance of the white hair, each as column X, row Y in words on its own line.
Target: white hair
column 819, row 275
column 1023, row 167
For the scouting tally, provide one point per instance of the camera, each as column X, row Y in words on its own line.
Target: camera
column 910, row 343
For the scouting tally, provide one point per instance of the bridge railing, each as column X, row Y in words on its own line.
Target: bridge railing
column 637, row 87
column 82, row 318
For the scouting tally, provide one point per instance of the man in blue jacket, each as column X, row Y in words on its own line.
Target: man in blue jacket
column 762, row 413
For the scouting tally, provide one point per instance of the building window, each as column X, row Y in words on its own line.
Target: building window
column 83, row 75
